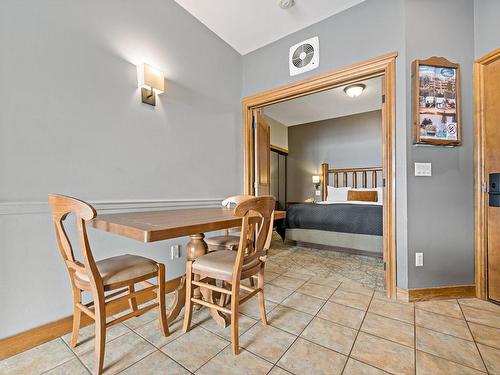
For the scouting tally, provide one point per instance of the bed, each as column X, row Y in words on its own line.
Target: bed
column 335, row 223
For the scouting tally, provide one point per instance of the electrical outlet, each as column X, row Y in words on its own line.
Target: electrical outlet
column 175, row 251
column 419, row 259
column 317, row 192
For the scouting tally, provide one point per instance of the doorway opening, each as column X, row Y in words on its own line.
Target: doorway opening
column 257, row 159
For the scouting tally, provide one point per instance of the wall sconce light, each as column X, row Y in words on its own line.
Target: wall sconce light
column 151, row 81
column 316, row 181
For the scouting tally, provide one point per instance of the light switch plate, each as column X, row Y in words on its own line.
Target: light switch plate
column 423, row 169
column 318, row 193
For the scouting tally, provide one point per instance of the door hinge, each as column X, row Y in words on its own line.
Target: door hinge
column 254, row 123
column 385, row 266
column 484, row 187
column 383, row 98
column 383, row 182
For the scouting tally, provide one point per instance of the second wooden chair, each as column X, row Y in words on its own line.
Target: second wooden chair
column 234, row 266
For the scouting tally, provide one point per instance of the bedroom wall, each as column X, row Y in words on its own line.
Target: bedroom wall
column 486, row 26
column 72, row 122
column 350, row 141
column 440, row 208
column 379, row 30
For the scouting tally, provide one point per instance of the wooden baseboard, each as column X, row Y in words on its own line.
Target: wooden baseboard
column 337, row 248
column 443, row 292
column 28, row 339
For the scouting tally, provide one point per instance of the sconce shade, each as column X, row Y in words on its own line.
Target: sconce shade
column 150, row 78
column 315, row 179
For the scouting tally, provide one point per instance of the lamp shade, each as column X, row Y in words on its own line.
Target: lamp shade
column 354, row 90
column 315, row 179
column 150, row 78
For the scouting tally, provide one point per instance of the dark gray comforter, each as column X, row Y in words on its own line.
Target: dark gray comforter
column 346, row 218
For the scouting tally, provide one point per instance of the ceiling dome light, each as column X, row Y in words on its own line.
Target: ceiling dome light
column 286, row 4
column 354, row 90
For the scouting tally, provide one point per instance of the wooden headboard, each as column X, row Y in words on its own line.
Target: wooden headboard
column 349, row 174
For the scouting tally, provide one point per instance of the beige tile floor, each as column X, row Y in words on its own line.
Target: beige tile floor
column 327, row 315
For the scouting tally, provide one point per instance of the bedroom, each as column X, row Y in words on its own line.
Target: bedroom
column 338, row 134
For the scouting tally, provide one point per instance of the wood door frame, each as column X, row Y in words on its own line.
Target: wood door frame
column 480, row 206
column 382, row 66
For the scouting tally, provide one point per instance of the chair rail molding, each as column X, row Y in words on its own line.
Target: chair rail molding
column 38, row 207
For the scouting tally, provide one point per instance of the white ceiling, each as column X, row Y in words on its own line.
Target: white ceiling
column 327, row 104
column 250, row 24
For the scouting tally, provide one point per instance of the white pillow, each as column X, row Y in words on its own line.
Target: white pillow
column 337, row 194
column 379, row 190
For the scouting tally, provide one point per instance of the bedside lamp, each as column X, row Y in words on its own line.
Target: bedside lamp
column 316, row 181
column 151, row 81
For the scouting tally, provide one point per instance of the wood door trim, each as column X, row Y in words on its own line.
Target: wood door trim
column 384, row 66
column 279, row 150
column 480, row 206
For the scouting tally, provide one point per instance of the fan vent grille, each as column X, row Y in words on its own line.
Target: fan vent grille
column 303, row 55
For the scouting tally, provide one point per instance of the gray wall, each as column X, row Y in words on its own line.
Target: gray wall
column 380, row 29
column 72, row 122
column 487, row 26
column 350, row 141
column 440, row 208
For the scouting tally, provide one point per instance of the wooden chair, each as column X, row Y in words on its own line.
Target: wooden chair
column 234, row 266
column 97, row 277
column 227, row 241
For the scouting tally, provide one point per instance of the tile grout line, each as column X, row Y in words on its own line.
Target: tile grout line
column 447, row 359
column 451, row 361
column 470, row 331
column 63, row 363
column 345, row 326
column 302, row 331
column 212, row 357
column 193, row 325
column 476, row 309
column 140, row 359
column 159, row 350
column 357, row 333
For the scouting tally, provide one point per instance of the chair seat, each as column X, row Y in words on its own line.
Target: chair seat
column 223, row 241
column 219, row 263
column 122, row 268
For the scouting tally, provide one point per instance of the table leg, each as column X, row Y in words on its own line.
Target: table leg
column 195, row 248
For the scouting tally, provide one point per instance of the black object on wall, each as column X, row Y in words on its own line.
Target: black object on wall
column 494, row 190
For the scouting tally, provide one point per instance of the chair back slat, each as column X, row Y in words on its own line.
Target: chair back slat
column 260, row 230
column 234, row 201
column 61, row 206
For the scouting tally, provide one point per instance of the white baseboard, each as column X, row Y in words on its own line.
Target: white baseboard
column 25, row 207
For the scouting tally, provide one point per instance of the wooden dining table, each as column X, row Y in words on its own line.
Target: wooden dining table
column 153, row 226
